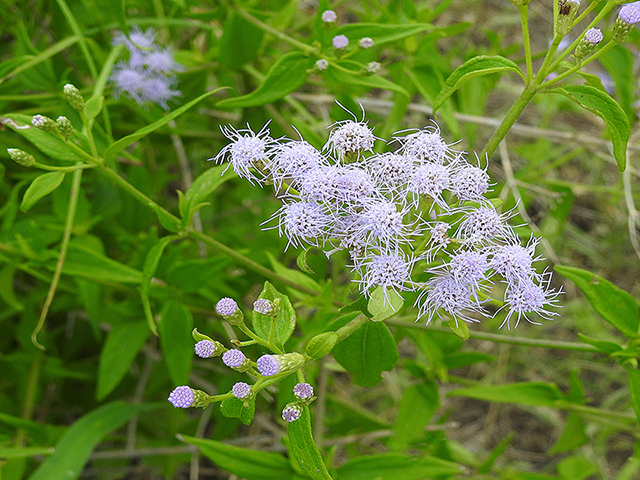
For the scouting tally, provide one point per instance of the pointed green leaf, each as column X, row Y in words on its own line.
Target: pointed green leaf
column 384, row 303
column 299, row 277
column 235, row 408
column 73, row 450
column 123, row 143
column 304, row 449
column 124, row 341
column 93, row 107
column 476, row 67
column 526, row 393
column 243, row 462
column 83, row 262
column 41, row 187
column 573, row 435
column 285, row 322
column 601, row 104
column 288, row 74
column 612, row 303
column 633, row 378
column 381, row 33
column 396, row 467
column 367, row 352
column 207, row 183
column 602, row 345
column 175, row 337
column 150, row 266
column 417, row 406
column 21, row 452
column 340, row 77
column 240, row 41
column 47, row 142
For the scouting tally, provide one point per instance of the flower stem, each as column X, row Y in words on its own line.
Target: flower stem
column 352, row 326
column 524, row 20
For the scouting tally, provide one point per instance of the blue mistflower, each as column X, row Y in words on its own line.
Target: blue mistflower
column 525, row 297
column 182, row 397
column 241, row 390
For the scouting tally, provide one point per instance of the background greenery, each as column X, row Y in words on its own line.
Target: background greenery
column 535, row 403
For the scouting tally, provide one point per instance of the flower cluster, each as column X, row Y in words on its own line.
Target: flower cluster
column 422, row 202
column 148, row 75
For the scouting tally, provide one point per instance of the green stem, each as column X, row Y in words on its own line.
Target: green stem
column 598, row 411
column 66, row 237
column 272, row 31
column 524, row 20
column 30, row 395
column 66, row 11
column 607, row 8
column 607, row 47
column 79, row 166
column 352, row 326
column 244, row 329
column 495, row 337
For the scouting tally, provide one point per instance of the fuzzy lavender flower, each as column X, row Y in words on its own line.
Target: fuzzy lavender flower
column 373, row 68
column 470, row 183
column 470, row 267
column 382, row 223
column 303, row 391
column 430, row 179
column 291, row 412
column 513, row 261
column 226, row 306
column 630, row 14
column 525, row 297
column 349, row 137
column 321, row 65
column 391, row 171
column 247, row 153
column 181, row 397
column 292, row 161
column 425, row 145
column 241, row 390
column 340, row 42
column 593, row 36
column 136, row 40
column 447, row 293
column 127, row 79
column 387, row 270
column 484, row 226
column 161, row 61
column 158, row 89
column 303, row 222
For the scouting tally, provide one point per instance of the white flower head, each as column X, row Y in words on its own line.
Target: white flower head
column 390, row 270
column 445, row 293
column 390, row 171
column 485, row 226
column 430, row 179
column 350, row 138
column 425, row 145
column 303, row 222
column 525, row 297
column 469, row 182
column 292, row 161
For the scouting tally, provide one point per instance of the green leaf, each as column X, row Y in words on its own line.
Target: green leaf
column 243, row 462
column 476, row 67
column 360, row 305
column 87, row 263
column 150, row 266
column 285, row 322
column 486, row 466
column 120, row 349
column 207, row 183
column 380, row 33
column 240, row 42
column 576, row 467
column 286, row 75
column 299, row 277
column 41, row 187
column 340, row 77
column 234, row 408
column 461, row 329
column 573, row 435
column 396, row 467
column 21, row 452
column 384, row 303
column 175, row 337
column 602, row 345
column 7, row 292
column 301, row 261
column 367, row 352
column 123, row 143
column 417, row 406
column 612, row 303
column 619, row 63
column 526, row 393
column 633, row 377
column 73, row 450
column 47, row 142
column 601, row 104
column 93, row 107
column 303, row 447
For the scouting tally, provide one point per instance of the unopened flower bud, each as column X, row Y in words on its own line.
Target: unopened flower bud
column 627, row 18
column 21, row 157
column 321, row 344
column 372, row 68
column 64, row 127
column 365, row 43
column 269, row 365
column 236, row 359
column 228, row 309
column 303, row 391
column 266, row 307
column 321, row 65
column 241, row 390
column 291, row 412
column 43, row 123
column 209, row 348
column 186, row 397
column 567, row 10
column 588, row 42
column 73, row 96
